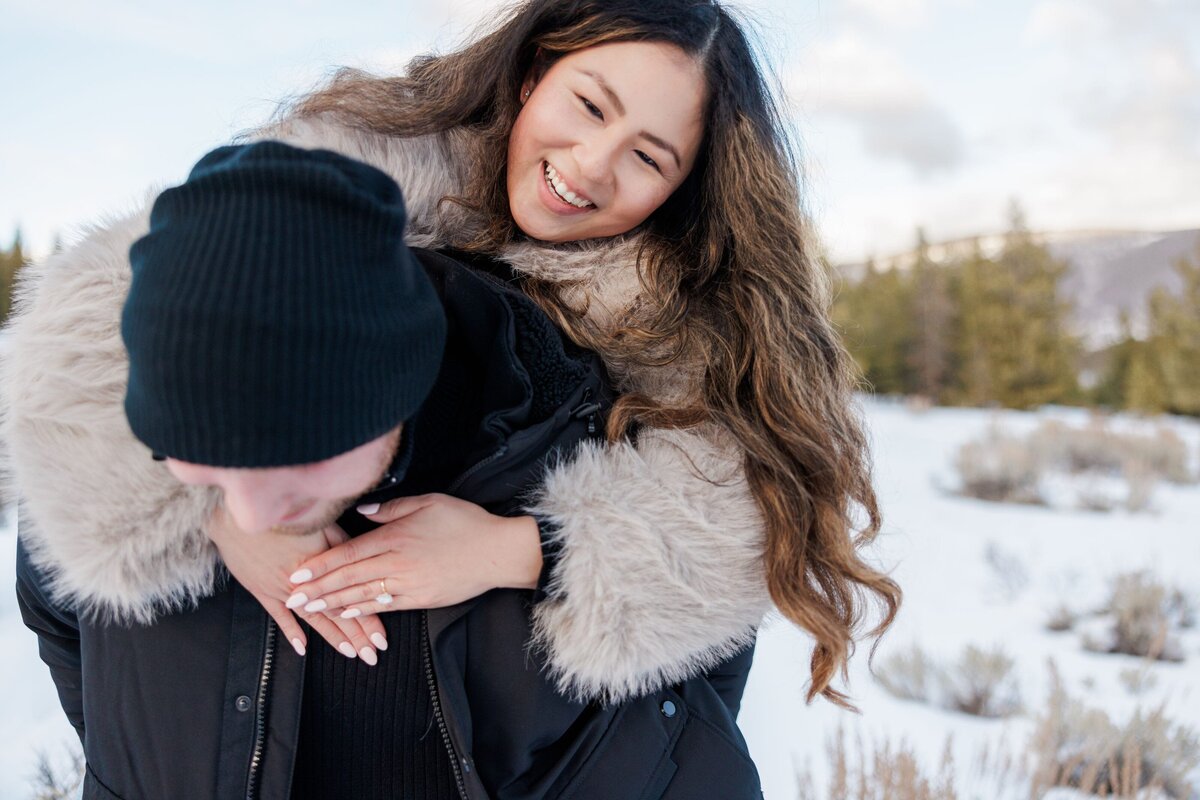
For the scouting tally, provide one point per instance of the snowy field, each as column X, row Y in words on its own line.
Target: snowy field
column 937, row 544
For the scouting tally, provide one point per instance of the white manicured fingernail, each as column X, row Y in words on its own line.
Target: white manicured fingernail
column 297, row 600
column 367, row 509
column 298, row 646
column 315, row 605
column 347, row 649
column 351, row 613
column 379, row 640
column 384, row 599
column 368, row 655
column 301, row 576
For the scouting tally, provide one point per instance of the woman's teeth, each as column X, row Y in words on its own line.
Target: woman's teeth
column 559, row 188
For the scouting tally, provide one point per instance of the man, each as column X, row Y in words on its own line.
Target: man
column 284, row 344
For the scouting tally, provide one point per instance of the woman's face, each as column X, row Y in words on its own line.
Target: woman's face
column 603, row 139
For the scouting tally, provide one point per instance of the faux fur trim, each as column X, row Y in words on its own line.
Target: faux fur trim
column 660, row 573
column 119, row 537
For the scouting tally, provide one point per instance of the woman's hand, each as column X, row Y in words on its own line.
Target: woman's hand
column 261, row 562
column 431, row 551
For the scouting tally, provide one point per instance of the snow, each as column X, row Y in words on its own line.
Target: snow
column 936, row 545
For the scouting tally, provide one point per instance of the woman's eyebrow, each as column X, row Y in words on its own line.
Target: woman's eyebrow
column 657, row 141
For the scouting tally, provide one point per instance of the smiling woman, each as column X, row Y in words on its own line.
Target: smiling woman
column 605, row 135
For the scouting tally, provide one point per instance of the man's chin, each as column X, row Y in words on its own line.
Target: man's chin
column 317, row 520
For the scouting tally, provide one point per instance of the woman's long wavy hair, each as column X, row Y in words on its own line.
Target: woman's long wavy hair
column 729, row 273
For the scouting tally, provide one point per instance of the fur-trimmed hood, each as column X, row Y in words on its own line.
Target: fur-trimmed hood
column 659, row 574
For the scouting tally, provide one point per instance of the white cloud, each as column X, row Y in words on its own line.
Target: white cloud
column 899, row 14
column 860, row 81
column 1055, row 21
column 1126, row 70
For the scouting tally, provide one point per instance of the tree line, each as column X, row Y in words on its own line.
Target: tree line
column 980, row 330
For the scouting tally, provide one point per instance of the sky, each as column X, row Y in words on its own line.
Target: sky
column 906, row 113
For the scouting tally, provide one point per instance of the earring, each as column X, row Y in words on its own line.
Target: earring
column 526, row 95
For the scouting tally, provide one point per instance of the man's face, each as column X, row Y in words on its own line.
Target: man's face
column 295, row 500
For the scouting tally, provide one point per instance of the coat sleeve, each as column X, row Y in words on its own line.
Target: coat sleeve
column 57, row 630
column 658, row 574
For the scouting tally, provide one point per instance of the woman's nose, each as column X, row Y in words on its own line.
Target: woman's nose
column 594, row 157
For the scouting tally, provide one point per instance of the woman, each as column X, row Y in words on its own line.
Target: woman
column 711, row 313
column 748, row 470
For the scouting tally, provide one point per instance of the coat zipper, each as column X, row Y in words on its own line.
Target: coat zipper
column 588, row 410
column 474, row 469
column 427, row 658
column 260, row 713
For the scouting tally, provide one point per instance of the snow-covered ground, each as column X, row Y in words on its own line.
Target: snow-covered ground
column 937, row 544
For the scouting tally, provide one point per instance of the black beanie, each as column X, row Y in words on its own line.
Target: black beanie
column 276, row 316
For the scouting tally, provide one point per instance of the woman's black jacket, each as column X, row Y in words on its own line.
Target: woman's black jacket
column 205, row 703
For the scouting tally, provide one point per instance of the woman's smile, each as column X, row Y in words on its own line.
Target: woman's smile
column 558, row 195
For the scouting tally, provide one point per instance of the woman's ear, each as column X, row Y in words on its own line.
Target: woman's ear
column 527, row 87
column 535, row 73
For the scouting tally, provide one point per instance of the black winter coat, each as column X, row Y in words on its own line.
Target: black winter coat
column 206, row 703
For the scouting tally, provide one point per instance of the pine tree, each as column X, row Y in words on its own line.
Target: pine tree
column 11, row 261
column 1174, row 340
column 980, row 320
column 1035, row 358
column 932, row 313
column 1110, row 390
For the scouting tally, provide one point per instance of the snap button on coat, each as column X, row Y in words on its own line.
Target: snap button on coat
column 668, row 709
column 243, row 703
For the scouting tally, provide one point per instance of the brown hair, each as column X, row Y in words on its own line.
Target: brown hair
column 728, row 271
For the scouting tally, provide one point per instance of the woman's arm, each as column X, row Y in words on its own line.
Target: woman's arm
column 659, row 571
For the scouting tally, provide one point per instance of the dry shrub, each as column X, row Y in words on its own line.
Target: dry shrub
column 1062, row 618
column 1080, row 747
column 1002, row 467
column 1009, row 569
column 980, row 683
column 910, row 675
column 884, row 772
column 1137, row 680
column 1096, row 447
column 58, row 783
column 1144, row 613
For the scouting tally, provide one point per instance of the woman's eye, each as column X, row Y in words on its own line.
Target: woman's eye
column 591, row 107
column 647, row 159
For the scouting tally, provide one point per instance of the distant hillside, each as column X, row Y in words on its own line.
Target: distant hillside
column 1110, row 270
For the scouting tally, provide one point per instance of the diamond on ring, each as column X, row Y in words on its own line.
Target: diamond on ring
column 384, row 598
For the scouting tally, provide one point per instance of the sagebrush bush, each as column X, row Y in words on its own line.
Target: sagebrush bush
column 1083, row 748
column 1096, row 447
column 1003, row 467
column 1000, row 468
column 882, row 772
column 58, row 783
column 980, row 683
column 1061, row 618
column 1011, row 575
column 1145, row 614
